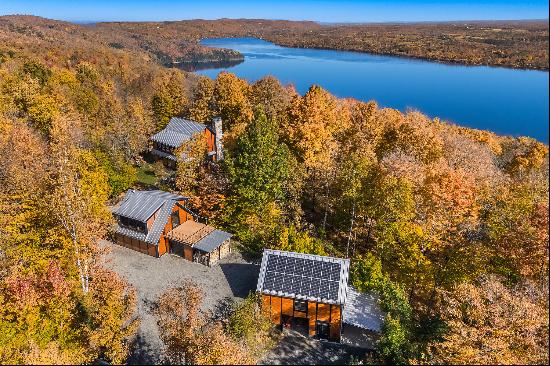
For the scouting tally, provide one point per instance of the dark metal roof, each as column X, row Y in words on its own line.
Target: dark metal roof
column 130, row 233
column 212, row 241
column 155, row 232
column 178, row 131
column 141, row 205
column 162, row 154
column 304, row 276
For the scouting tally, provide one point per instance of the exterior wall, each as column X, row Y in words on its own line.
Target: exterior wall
column 220, row 252
column 281, row 308
column 335, row 318
column 152, row 219
column 183, row 216
column 163, row 245
column 225, row 248
column 188, row 252
column 312, row 312
column 137, row 245
column 210, row 140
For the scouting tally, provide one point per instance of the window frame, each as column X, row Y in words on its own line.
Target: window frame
column 177, row 215
column 300, row 303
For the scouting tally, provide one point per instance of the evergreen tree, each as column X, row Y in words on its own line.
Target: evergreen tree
column 257, row 171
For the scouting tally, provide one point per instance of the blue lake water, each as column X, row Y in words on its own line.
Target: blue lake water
column 505, row 101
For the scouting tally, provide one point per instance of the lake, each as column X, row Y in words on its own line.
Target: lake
column 505, row 101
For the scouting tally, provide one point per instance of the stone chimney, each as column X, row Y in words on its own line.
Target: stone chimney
column 217, row 128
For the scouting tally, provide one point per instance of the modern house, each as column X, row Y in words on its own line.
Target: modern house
column 310, row 293
column 157, row 222
column 179, row 130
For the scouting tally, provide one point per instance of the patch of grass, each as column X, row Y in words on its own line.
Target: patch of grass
column 146, row 175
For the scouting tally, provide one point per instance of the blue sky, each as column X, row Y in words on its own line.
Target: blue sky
column 320, row 10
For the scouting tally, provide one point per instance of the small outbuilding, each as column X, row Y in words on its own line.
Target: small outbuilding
column 305, row 292
column 310, row 293
column 199, row 242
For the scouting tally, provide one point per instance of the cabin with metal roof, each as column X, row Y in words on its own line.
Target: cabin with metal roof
column 304, row 291
column 180, row 130
column 310, row 293
column 158, row 222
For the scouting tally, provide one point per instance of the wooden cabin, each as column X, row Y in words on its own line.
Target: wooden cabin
column 157, row 222
column 180, row 130
column 305, row 292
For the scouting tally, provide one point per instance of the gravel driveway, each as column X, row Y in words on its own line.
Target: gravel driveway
column 230, row 279
column 295, row 349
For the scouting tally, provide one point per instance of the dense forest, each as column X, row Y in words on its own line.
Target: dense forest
column 448, row 225
column 517, row 44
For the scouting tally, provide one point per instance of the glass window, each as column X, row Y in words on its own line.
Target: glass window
column 300, row 305
column 322, row 329
column 175, row 219
column 132, row 224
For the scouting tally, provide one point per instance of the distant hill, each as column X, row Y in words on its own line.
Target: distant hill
column 516, row 44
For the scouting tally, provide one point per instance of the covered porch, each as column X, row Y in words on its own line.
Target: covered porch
column 199, row 243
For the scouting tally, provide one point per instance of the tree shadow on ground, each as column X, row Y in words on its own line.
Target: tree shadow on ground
column 295, row 349
column 141, row 352
column 223, row 309
column 241, row 277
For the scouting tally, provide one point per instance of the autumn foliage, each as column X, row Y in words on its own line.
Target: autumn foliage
column 448, row 224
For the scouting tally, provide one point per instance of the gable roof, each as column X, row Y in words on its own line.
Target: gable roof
column 178, row 131
column 140, row 206
column 304, row 276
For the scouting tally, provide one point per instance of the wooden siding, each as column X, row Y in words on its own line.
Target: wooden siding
column 163, row 245
column 312, row 313
column 323, row 312
column 188, row 252
column 276, row 306
column 152, row 219
column 210, row 141
column 266, row 305
column 134, row 244
column 183, row 216
column 276, row 310
column 335, row 323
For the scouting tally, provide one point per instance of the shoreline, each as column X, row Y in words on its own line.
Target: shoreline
column 412, row 57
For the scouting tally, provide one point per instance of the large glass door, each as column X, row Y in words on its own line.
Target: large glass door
column 322, row 329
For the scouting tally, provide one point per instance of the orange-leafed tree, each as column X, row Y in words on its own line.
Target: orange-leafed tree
column 191, row 337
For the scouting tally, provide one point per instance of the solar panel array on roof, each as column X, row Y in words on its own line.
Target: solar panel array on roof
column 304, row 276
